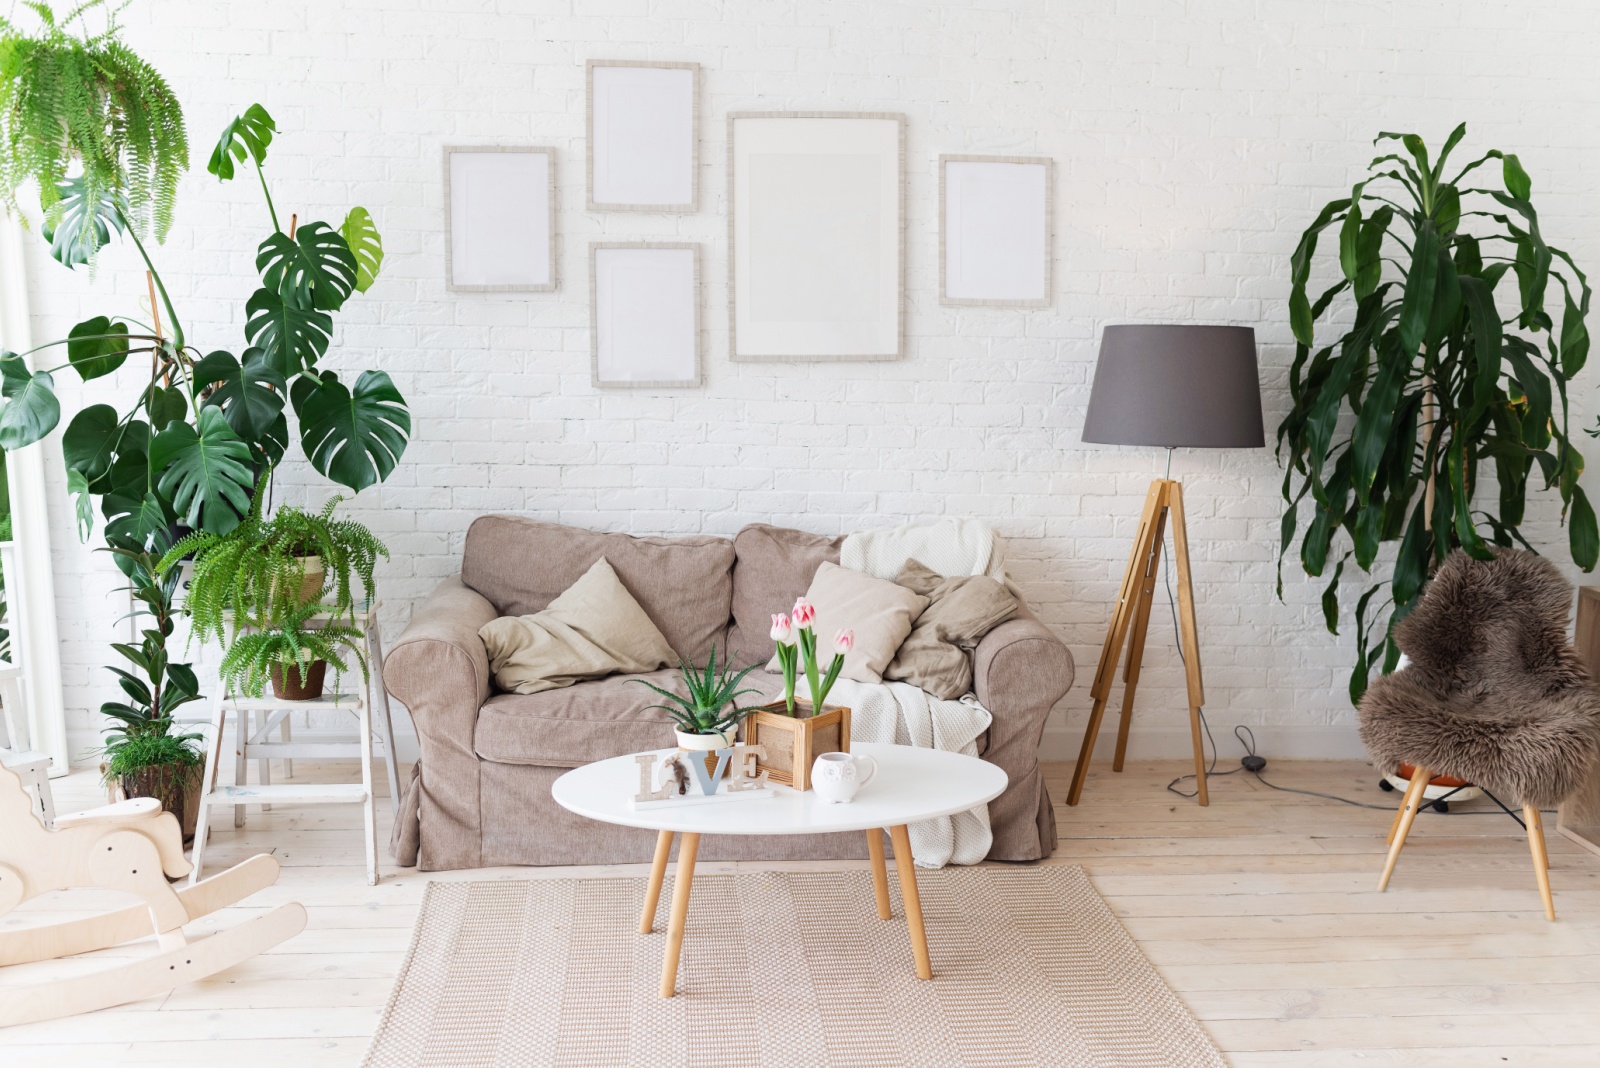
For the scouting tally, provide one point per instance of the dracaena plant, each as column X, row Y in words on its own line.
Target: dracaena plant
column 1452, row 367
column 204, row 429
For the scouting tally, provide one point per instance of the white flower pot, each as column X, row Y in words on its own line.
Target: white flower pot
column 704, row 743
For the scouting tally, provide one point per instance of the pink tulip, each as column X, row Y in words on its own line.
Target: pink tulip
column 782, row 630
column 843, row 641
column 804, row 613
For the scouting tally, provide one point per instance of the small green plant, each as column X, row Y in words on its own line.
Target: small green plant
column 141, row 735
column 262, row 561
column 287, row 643
column 711, row 707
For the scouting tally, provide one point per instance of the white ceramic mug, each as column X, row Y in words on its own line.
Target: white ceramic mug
column 837, row 776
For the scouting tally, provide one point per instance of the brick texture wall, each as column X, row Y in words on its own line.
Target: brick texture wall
column 1193, row 141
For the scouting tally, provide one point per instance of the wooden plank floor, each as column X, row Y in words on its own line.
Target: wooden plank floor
column 1259, row 911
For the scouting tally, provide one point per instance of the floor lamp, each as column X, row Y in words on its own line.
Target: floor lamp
column 1172, row 386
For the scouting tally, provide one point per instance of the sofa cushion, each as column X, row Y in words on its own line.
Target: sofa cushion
column 685, row 585
column 594, row 629
column 937, row 656
column 590, row 721
column 775, row 565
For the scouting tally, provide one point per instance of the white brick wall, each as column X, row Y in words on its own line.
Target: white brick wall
column 1194, row 140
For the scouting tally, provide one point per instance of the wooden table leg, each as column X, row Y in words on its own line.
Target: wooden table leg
column 658, row 873
column 687, row 850
column 880, row 873
column 913, row 901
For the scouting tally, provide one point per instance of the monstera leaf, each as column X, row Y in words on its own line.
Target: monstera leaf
column 30, row 409
column 313, row 269
column 135, row 518
column 206, row 471
column 292, row 338
column 250, row 394
column 97, row 347
column 90, row 441
column 246, row 137
column 361, row 234
column 79, row 224
column 354, row 438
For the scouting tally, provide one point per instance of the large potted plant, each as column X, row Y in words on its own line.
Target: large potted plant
column 145, row 754
column 1438, row 383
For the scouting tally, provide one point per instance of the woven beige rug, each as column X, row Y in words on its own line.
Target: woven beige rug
column 783, row 970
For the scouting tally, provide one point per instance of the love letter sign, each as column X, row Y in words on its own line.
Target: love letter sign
column 666, row 775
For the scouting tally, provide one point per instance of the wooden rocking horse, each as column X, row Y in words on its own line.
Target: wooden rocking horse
column 133, row 847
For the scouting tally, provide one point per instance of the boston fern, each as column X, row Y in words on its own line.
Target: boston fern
column 1441, row 386
column 286, row 642
column 710, row 707
column 255, row 565
column 88, row 100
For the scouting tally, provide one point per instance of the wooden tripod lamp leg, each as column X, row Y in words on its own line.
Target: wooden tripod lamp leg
column 1189, row 633
column 1121, row 621
column 1136, row 638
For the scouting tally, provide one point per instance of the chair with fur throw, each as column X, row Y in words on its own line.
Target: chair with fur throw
column 1494, row 694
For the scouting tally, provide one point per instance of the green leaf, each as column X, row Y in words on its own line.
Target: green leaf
column 1535, row 387
column 1330, row 599
column 78, row 486
column 1411, row 562
column 1300, row 270
column 80, row 223
column 1582, row 534
column 1349, row 236
column 354, row 438
column 90, row 442
column 1574, row 336
column 292, row 338
column 1370, row 439
column 1369, row 252
column 97, row 347
column 250, row 395
column 1449, row 145
column 165, row 405
column 316, row 269
column 135, row 518
column 361, row 234
column 245, row 137
column 1460, row 477
column 1484, row 321
column 1518, row 184
column 206, row 473
column 1417, row 304
column 30, row 410
column 1446, row 301
column 1369, row 528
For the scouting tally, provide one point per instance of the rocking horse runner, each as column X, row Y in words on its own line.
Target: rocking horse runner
column 134, row 847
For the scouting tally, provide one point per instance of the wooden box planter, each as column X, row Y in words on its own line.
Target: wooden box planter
column 794, row 743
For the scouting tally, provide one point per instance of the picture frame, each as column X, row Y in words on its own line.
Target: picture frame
column 996, row 231
column 500, row 219
column 816, row 236
column 644, row 315
column 642, row 123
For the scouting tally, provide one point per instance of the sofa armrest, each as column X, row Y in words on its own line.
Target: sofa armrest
column 439, row 670
column 1020, row 670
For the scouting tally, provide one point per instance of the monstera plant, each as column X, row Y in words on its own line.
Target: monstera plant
column 205, row 427
column 1440, row 386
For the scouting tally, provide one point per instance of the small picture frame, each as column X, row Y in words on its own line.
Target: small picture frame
column 500, row 211
column 996, row 239
column 643, row 136
column 644, row 314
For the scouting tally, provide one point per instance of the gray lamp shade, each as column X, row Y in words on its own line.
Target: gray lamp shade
column 1176, row 385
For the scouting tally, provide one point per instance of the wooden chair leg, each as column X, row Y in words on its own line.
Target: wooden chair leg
column 1541, row 857
column 1408, row 813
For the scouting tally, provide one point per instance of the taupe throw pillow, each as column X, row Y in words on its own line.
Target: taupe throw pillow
column 879, row 612
column 937, row 654
column 593, row 629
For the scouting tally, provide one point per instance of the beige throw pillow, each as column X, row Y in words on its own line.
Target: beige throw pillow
column 937, row 656
column 879, row 612
column 595, row 628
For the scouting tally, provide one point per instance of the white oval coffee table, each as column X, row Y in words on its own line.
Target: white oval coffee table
column 911, row 785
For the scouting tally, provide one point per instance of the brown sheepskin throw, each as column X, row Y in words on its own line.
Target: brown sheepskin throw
column 1494, row 693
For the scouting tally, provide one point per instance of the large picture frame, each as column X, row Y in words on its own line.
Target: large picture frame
column 644, row 314
column 816, row 236
column 500, row 219
column 643, row 135
column 996, row 231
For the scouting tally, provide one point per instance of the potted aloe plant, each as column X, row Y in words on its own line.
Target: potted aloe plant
column 708, row 717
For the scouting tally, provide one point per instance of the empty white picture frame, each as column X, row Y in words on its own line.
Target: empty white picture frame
column 500, row 219
column 995, row 231
column 644, row 314
column 816, row 234
column 643, row 136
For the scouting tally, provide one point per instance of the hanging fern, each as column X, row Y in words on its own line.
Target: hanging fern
column 89, row 101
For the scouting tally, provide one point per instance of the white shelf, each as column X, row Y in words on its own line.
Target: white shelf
column 267, row 704
column 324, row 793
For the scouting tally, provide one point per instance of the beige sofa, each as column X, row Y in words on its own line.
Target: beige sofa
column 482, row 793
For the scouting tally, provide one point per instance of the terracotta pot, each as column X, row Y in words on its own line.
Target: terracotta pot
column 176, row 786
column 287, row 684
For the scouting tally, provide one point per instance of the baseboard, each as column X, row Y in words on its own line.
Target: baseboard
column 1283, row 742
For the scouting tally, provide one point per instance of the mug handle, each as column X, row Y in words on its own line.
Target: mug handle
column 871, row 773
